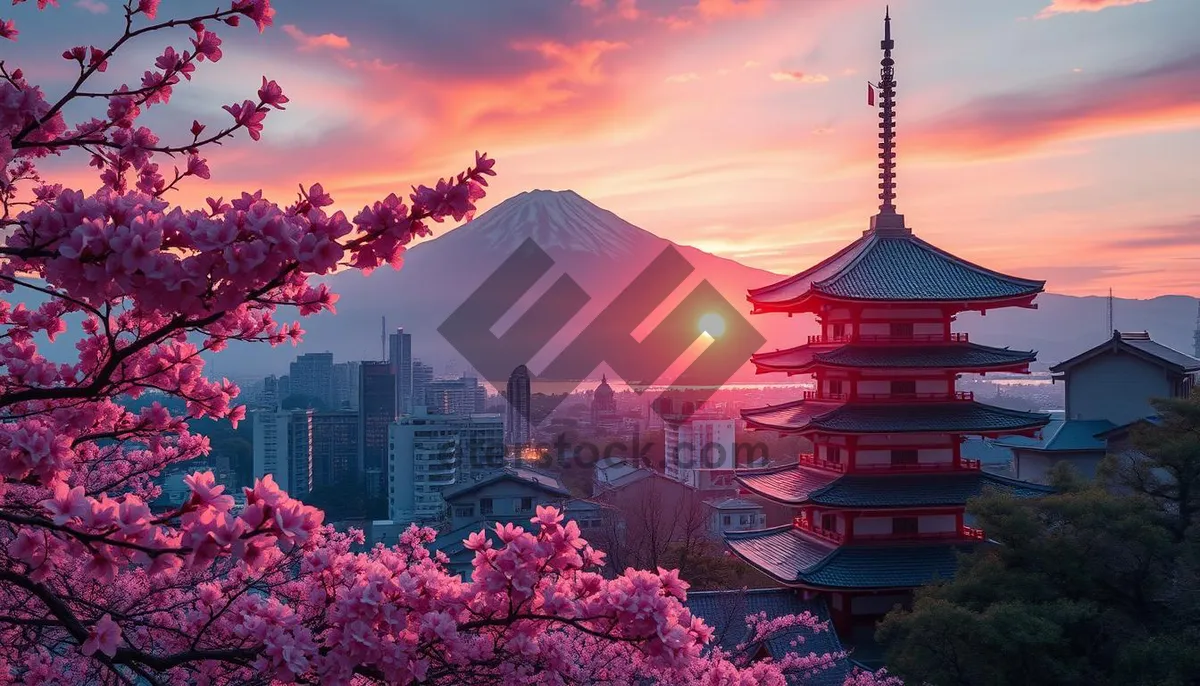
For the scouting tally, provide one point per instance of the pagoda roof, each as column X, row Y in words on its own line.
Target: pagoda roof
column 894, row 266
column 950, row 356
column 800, row 485
column 794, row 557
column 803, row 416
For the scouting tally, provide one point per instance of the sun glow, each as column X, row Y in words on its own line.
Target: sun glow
column 712, row 324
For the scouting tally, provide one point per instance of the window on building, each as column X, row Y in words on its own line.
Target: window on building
column 904, row 457
column 726, row 520
column 464, row 511
column 833, row 454
column 835, row 387
column 901, row 329
column 838, row 331
column 485, row 506
column 829, row 522
column 908, row 387
column 526, row 505
column 904, row 526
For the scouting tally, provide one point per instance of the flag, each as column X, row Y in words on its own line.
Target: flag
column 870, row 94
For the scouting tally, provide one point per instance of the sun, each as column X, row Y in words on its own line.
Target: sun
column 712, row 324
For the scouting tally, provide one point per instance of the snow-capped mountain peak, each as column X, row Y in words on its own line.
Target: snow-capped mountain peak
column 557, row 221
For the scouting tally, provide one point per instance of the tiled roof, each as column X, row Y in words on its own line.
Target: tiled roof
column 734, row 504
column 1064, row 436
column 539, row 480
column 797, row 485
column 892, row 267
column 958, row 417
column 1138, row 344
column 949, row 356
column 792, row 557
column 726, row 612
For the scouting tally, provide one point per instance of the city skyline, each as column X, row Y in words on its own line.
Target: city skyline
column 741, row 127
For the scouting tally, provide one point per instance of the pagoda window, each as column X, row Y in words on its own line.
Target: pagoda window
column 902, row 330
column 835, row 388
column 833, row 454
column 904, row 457
column 838, row 331
column 904, row 526
column 828, row 522
column 908, row 387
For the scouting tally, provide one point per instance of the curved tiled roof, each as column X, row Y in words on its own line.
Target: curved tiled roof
column 957, row 417
column 950, row 356
column 798, row 485
column 793, row 557
column 896, row 267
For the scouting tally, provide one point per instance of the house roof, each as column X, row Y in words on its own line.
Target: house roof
column 542, row 481
column 890, row 266
column 734, row 504
column 799, row 485
column 1138, row 344
column 793, row 557
column 949, row 356
column 726, row 612
column 1072, row 435
column 804, row 416
column 1118, row 432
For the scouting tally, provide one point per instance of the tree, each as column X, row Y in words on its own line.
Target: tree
column 1082, row 588
column 96, row 589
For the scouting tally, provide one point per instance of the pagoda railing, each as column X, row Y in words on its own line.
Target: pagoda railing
column 964, row 464
column 804, row 524
column 810, row 460
column 955, row 337
column 966, row 532
column 818, row 395
column 909, row 397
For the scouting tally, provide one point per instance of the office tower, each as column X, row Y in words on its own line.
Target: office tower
column 430, row 452
column 480, row 445
column 699, row 450
column 269, row 398
column 343, row 399
column 283, row 387
column 422, row 377
column 400, row 358
column 334, row 447
column 283, row 448
column 517, row 394
column 462, row 396
column 312, row 376
column 376, row 410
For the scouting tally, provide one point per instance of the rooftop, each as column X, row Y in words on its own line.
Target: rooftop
column 798, row 485
column 861, row 418
column 933, row 355
column 539, row 480
column 793, row 557
column 897, row 267
column 1139, row 344
column 1074, row 435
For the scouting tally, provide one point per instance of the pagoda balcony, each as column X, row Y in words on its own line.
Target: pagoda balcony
column 964, row 465
column 966, row 532
column 956, row 337
column 806, row 525
column 810, row 460
column 957, row 396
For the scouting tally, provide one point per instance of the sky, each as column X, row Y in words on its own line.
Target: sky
column 1052, row 139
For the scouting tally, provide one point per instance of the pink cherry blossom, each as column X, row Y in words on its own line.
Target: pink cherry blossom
column 104, row 636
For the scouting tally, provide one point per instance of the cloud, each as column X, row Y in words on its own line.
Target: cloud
column 799, row 77
column 307, row 41
column 684, row 78
column 93, row 6
column 1184, row 234
column 707, row 11
column 1072, row 6
column 1162, row 96
column 613, row 9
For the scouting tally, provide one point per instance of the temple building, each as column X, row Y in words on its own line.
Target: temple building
column 879, row 505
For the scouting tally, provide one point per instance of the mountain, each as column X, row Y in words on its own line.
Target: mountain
column 603, row 253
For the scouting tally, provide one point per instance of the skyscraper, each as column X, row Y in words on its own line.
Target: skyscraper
column 334, row 447
column 422, row 377
column 312, row 376
column 461, row 396
column 400, row 358
column 283, row 449
column 516, row 427
column 376, row 411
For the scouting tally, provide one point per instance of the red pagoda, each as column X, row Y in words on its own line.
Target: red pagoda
column 880, row 503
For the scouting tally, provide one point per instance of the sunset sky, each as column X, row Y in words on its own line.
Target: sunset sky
column 1056, row 140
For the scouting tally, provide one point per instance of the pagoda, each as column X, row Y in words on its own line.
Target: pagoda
column 879, row 504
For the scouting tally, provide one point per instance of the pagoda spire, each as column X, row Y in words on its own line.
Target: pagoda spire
column 887, row 218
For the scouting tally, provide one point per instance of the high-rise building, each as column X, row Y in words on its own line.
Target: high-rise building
column 345, row 386
column 334, row 447
column 879, row 504
column 400, row 357
column 429, row 452
column 376, row 411
column 699, row 450
column 462, row 396
column 283, row 448
column 517, row 394
column 269, row 398
column 312, row 376
column 283, row 387
column 422, row 377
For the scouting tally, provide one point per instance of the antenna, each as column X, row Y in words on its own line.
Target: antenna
column 887, row 217
column 1111, row 327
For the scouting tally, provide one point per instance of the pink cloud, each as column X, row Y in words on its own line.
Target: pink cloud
column 684, row 78
column 799, row 77
column 1071, row 6
column 307, row 41
column 93, row 6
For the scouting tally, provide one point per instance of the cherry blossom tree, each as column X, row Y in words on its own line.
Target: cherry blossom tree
column 95, row 587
